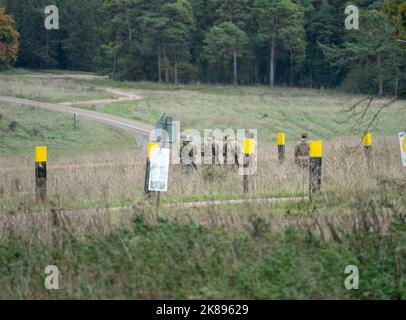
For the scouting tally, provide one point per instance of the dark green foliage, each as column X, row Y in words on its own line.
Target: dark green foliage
column 374, row 48
column 296, row 42
column 186, row 261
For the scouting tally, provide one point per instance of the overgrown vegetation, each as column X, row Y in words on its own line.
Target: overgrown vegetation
column 169, row 259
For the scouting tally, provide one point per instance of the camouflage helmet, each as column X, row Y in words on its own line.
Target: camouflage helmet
column 305, row 135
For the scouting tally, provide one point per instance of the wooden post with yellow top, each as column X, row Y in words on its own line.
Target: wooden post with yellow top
column 316, row 154
column 367, row 139
column 281, row 147
column 249, row 151
column 151, row 145
column 41, row 173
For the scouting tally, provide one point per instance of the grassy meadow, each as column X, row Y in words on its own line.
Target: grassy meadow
column 292, row 110
column 29, row 85
column 24, row 127
column 102, row 232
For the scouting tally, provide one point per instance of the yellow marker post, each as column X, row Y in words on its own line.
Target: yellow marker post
column 402, row 140
column 249, row 151
column 41, row 172
column 40, row 154
column 367, row 139
column 316, row 155
column 404, row 144
column 316, row 149
column 151, row 146
column 280, row 137
column 249, row 146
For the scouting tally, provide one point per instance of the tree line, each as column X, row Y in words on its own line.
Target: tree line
column 275, row 42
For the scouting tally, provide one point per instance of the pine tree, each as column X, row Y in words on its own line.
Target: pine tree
column 224, row 42
column 321, row 29
column 373, row 47
column 293, row 39
column 78, row 28
column 275, row 19
column 153, row 25
column 177, row 30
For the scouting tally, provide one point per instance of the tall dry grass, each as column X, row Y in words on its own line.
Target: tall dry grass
column 115, row 179
column 49, row 89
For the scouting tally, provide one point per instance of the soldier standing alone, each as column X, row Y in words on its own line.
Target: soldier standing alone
column 302, row 152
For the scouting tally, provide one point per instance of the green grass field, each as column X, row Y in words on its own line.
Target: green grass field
column 268, row 110
column 23, row 127
column 200, row 107
column 29, row 85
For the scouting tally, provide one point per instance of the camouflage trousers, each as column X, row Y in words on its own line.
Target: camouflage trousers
column 187, row 169
column 303, row 163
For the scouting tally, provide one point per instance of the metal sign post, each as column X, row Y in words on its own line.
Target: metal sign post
column 159, row 172
column 164, row 129
column 41, row 173
column 163, row 136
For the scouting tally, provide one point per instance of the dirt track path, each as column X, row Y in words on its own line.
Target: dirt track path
column 68, row 76
column 209, row 203
column 187, row 204
column 123, row 96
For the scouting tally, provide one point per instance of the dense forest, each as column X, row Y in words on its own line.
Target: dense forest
column 274, row 42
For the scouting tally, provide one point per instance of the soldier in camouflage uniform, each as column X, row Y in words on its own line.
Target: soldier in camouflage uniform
column 230, row 153
column 211, row 151
column 187, row 155
column 302, row 157
column 210, row 156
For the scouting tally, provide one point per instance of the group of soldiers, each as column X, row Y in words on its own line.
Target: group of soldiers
column 231, row 152
column 210, row 153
